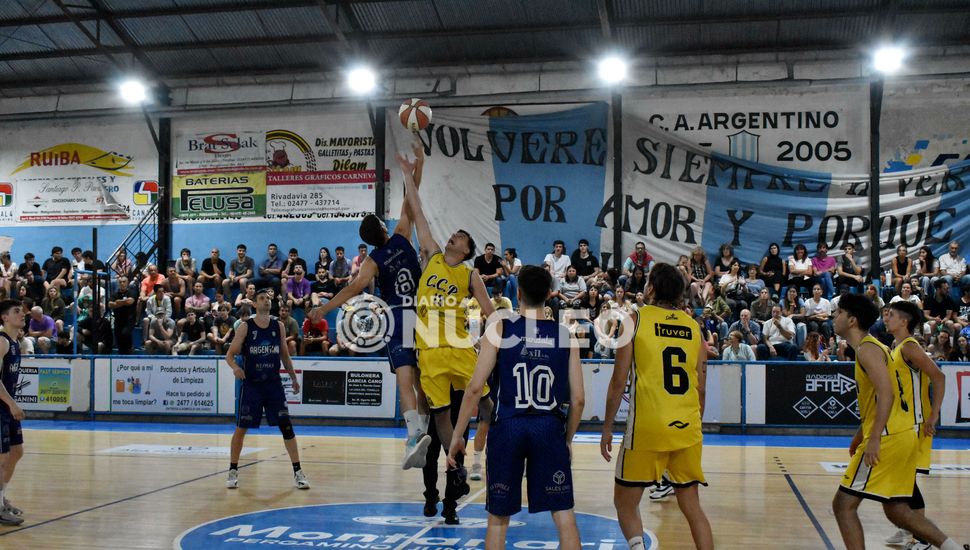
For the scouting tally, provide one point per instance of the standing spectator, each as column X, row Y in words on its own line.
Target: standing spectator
column 901, row 267
column 800, row 270
column 192, row 334
column 359, row 260
column 778, row 337
column 511, row 264
column 340, row 269
column 8, row 274
column 292, row 337
column 122, row 266
column 213, row 272
column 814, row 349
column 122, row 306
column 818, row 312
column 158, row 301
column 185, row 268
column 270, row 269
column 323, row 260
column 773, row 269
column 57, row 270
column 31, row 277
column 638, row 258
column 322, row 289
column 316, row 336
column 54, row 307
column 701, row 273
column 42, row 331
column 848, row 273
column 953, row 267
column 174, row 289
column 220, row 329
column 489, row 266
column 737, row 349
column 152, row 279
column 939, row 307
column 293, row 259
column 198, row 302
column 926, row 269
column 761, row 307
column 240, row 271
column 161, row 334
column 556, row 262
column 725, row 259
column 587, row 266
column 824, row 268
column 298, row 293
column 750, row 330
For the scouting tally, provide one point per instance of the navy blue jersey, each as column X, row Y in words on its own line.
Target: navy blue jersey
column 10, row 369
column 398, row 270
column 532, row 377
column 261, row 351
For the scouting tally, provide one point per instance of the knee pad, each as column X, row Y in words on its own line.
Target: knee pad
column 917, row 502
column 286, row 428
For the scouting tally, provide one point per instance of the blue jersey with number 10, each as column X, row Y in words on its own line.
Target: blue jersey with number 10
column 398, row 271
column 532, row 377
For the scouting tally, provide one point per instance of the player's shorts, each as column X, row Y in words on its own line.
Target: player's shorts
column 11, row 433
column 400, row 350
column 895, row 474
column 643, row 468
column 257, row 397
column 443, row 369
column 535, row 443
column 925, row 448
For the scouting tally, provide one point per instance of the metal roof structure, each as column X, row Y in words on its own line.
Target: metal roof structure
column 51, row 46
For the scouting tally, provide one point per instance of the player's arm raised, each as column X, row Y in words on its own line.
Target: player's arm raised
column 235, row 348
column 404, row 225
column 368, row 270
column 480, row 294
column 413, row 202
column 915, row 356
column 12, row 406
column 287, row 361
column 577, row 394
column 614, row 393
column 473, row 393
column 873, row 360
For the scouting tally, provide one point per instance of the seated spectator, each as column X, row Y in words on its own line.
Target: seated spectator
column 298, row 293
column 323, row 260
column 814, row 349
column 963, row 310
column 160, row 334
column 953, row 268
column 292, row 336
column 761, row 307
column 192, row 334
column 711, row 322
column 725, row 259
column 818, row 313
column 316, row 337
column 587, row 266
column 608, row 323
column 64, row 344
column 159, row 301
column 214, row 305
column 556, row 262
column 901, row 267
column 801, row 274
column 873, row 294
column 489, row 266
column 220, row 329
column 750, row 330
column 926, row 270
column 879, row 331
column 185, row 268
column 848, row 274
column 940, row 309
column 572, row 289
column 122, row 266
column 95, row 333
column 198, row 302
column 275, row 303
column 342, row 348
column 499, row 301
column 734, row 288
column 778, row 341
column 270, row 269
column 960, row 352
column 241, row 270
column 322, row 289
column 76, row 259
column 41, row 330
column 594, row 301
column 148, row 284
column 940, row 348
column 213, row 272
column 248, row 298
column 54, row 306
column 511, row 264
column 906, row 295
column 638, row 258
column 773, row 270
column 174, row 289
column 824, row 268
column 293, row 259
column 737, row 349
column 25, row 343
column 90, row 263
column 701, row 275
column 57, row 270
column 8, row 274
column 31, row 277
column 122, row 306
column 340, row 269
column 637, row 282
column 752, row 281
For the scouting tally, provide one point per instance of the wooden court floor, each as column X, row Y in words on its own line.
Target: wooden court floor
column 78, row 494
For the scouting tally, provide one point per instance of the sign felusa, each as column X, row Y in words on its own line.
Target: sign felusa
column 799, row 393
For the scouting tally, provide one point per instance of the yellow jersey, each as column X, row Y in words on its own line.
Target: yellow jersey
column 916, row 385
column 900, row 417
column 665, row 412
column 442, row 318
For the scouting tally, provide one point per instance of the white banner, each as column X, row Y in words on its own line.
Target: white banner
column 216, row 151
column 353, row 389
column 956, row 400
column 164, row 385
column 319, row 195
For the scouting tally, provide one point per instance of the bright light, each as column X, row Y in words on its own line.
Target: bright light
column 133, row 91
column 888, row 59
column 362, row 80
column 612, row 70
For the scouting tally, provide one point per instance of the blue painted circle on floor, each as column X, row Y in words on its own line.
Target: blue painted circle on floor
column 389, row 526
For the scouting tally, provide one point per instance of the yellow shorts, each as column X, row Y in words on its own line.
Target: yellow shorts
column 636, row 468
column 443, row 369
column 895, row 474
column 925, row 449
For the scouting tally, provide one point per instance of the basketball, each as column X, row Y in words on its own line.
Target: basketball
column 415, row 114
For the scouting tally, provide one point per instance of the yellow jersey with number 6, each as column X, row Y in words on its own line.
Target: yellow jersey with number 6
column 665, row 412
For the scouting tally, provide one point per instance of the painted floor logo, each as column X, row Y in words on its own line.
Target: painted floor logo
column 390, row 526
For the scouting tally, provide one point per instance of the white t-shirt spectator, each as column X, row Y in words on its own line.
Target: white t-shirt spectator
column 559, row 265
column 821, row 306
column 772, row 333
column 913, row 299
column 954, row 267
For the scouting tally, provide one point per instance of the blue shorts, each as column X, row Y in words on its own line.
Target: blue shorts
column 400, row 350
column 536, row 443
column 11, row 433
column 256, row 397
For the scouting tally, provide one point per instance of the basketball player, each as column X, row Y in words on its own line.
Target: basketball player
column 885, row 449
column 395, row 267
column 539, row 402
column 917, row 371
column 260, row 343
column 666, row 365
column 446, row 355
column 11, row 434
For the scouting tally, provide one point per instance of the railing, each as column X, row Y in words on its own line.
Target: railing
column 141, row 244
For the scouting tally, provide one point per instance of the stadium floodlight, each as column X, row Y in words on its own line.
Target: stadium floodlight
column 888, row 59
column 133, row 91
column 612, row 70
column 361, row 80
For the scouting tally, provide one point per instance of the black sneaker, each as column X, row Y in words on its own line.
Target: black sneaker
column 450, row 512
column 430, row 505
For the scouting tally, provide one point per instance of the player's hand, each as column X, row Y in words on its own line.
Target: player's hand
column 606, row 445
column 295, row 385
column 457, row 447
column 239, row 373
column 856, row 440
column 418, row 148
column 406, row 165
column 929, row 427
column 16, row 412
column 871, row 456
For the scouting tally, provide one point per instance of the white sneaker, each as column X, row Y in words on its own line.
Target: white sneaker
column 900, row 538
column 917, row 545
column 416, row 451
column 476, row 473
column 7, row 505
column 661, row 492
column 232, row 480
column 299, row 478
